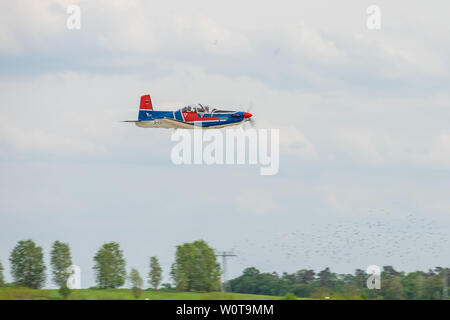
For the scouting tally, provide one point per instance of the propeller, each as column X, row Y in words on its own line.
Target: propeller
column 249, row 120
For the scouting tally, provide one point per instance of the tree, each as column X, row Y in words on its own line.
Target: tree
column 154, row 276
column 301, row 289
column 290, row 296
column 432, row 287
column 413, row 285
column 326, row 278
column 389, row 272
column 445, row 274
column 2, row 279
column 64, row 291
column 110, row 266
column 166, row 286
column 392, row 288
column 136, row 283
column 61, row 260
column 196, row 267
column 304, row 276
column 27, row 265
column 360, row 279
column 247, row 282
column 252, row 281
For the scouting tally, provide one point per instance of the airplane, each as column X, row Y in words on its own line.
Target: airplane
column 189, row 117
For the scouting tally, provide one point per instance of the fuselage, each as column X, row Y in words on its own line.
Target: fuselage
column 215, row 119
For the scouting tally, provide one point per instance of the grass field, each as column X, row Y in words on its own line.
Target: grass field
column 124, row 294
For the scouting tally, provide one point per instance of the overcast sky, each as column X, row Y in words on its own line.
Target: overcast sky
column 363, row 116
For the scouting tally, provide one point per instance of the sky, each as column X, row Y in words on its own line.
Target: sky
column 363, row 118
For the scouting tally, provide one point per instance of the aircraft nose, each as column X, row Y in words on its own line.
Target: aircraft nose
column 247, row 115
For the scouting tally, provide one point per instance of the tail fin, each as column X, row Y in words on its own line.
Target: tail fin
column 145, row 108
column 146, row 103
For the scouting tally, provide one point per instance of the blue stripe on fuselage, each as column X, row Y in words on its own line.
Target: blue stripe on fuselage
column 224, row 119
column 146, row 115
column 178, row 115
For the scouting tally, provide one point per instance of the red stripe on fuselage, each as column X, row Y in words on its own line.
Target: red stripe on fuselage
column 193, row 116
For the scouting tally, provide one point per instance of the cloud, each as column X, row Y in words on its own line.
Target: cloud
column 26, row 25
column 308, row 42
column 294, row 142
column 257, row 202
column 314, row 49
column 382, row 147
column 37, row 140
column 437, row 151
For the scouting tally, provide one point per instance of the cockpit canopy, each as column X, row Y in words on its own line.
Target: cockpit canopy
column 196, row 108
column 202, row 108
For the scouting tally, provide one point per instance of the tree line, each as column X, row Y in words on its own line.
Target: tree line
column 195, row 268
column 307, row 283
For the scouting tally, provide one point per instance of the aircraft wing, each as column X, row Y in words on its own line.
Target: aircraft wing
column 171, row 123
column 163, row 123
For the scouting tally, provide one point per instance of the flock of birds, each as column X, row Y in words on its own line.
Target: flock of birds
column 408, row 243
